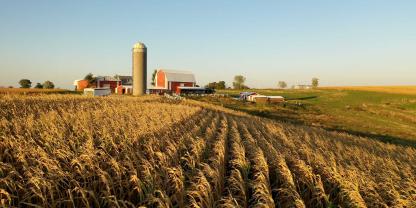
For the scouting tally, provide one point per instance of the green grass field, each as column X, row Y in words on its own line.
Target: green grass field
column 384, row 116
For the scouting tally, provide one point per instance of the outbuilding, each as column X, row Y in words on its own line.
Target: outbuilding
column 245, row 95
column 302, row 87
column 97, row 91
column 80, row 85
column 265, row 99
column 276, row 99
column 170, row 80
column 124, row 89
column 108, row 82
column 125, row 85
column 257, row 98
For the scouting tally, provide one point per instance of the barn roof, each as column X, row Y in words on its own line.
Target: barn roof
column 179, row 76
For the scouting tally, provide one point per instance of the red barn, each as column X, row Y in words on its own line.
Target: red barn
column 108, row 82
column 170, row 80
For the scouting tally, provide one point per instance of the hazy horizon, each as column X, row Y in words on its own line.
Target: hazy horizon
column 341, row 43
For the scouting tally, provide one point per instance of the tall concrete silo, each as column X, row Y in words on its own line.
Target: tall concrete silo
column 139, row 68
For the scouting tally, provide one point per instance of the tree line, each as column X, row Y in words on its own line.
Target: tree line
column 314, row 83
column 26, row 83
column 239, row 83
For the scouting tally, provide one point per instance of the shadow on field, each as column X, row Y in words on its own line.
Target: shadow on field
column 303, row 98
column 379, row 137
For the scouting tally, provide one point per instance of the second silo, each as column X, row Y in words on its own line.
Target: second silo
column 139, row 68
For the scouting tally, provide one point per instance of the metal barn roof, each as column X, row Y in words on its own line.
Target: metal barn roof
column 179, row 76
column 106, row 78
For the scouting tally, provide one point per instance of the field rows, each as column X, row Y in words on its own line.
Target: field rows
column 65, row 151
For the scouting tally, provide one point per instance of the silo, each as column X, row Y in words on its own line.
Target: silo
column 139, row 68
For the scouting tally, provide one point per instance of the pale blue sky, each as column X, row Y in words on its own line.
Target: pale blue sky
column 340, row 42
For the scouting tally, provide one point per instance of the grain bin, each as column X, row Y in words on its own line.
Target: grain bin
column 139, row 68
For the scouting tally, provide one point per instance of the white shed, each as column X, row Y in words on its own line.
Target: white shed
column 97, row 91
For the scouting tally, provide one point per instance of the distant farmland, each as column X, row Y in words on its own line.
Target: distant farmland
column 76, row 151
column 411, row 90
column 386, row 116
column 27, row 91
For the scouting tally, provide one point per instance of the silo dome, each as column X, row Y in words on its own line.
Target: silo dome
column 139, row 45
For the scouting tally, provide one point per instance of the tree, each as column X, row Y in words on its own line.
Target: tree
column 153, row 83
column 90, row 78
column 315, row 82
column 48, row 85
column 239, row 82
column 221, row 85
column 25, row 83
column 282, row 84
column 216, row 85
column 38, row 86
column 211, row 85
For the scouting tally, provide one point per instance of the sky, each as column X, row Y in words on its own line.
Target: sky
column 356, row 42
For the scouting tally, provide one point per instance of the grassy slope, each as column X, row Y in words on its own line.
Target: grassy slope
column 381, row 115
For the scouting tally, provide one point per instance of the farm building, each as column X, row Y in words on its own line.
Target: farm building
column 116, row 84
column 126, row 85
column 257, row 98
column 125, row 80
column 171, row 80
column 302, row 87
column 124, row 89
column 276, row 99
column 244, row 95
column 97, row 91
column 254, row 97
column 108, row 82
column 80, row 85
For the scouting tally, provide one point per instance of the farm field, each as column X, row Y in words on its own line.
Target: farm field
column 381, row 115
column 29, row 91
column 411, row 90
column 118, row 151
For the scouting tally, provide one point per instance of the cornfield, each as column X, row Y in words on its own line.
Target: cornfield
column 76, row 151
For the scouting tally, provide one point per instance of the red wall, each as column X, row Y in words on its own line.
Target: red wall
column 175, row 85
column 120, row 90
column 113, row 84
column 82, row 84
column 160, row 82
